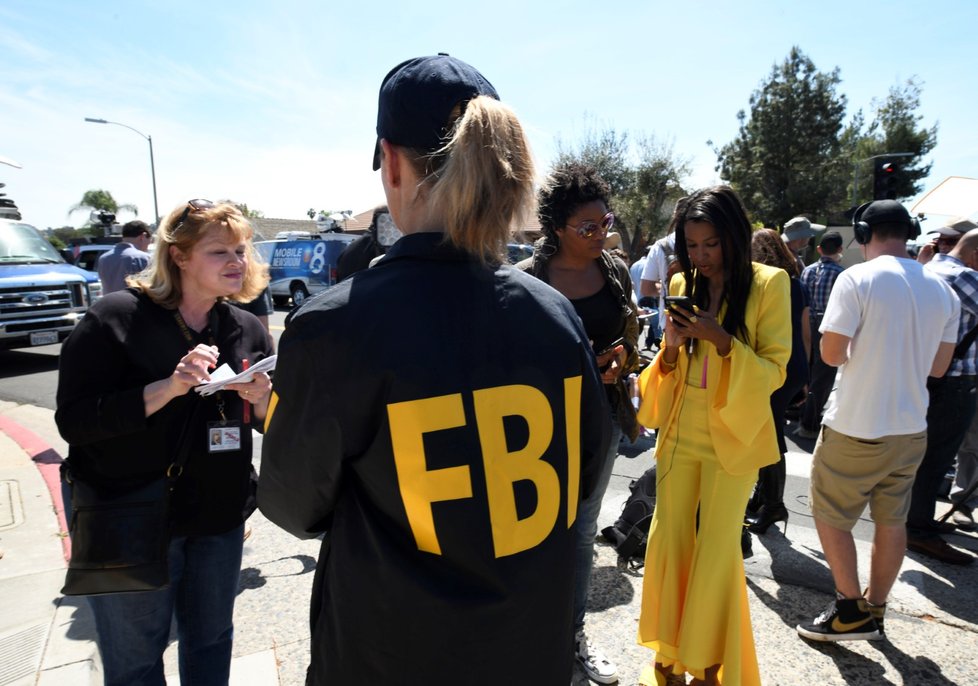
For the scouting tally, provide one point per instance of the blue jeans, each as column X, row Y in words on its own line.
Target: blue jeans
column 587, row 527
column 133, row 628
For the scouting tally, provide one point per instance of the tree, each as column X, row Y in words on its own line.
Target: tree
column 896, row 128
column 101, row 200
column 640, row 189
column 787, row 158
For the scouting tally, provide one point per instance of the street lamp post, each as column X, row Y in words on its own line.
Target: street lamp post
column 152, row 165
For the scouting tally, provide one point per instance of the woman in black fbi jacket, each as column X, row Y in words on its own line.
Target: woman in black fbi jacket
column 444, row 470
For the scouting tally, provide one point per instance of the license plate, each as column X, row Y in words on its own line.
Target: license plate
column 44, row 337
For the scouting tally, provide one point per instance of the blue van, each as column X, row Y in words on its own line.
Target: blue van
column 300, row 267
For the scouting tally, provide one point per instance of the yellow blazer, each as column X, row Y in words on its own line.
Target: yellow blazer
column 739, row 388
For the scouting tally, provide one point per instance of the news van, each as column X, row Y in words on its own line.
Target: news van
column 302, row 266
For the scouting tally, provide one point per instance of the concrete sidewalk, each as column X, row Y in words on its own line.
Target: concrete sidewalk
column 46, row 639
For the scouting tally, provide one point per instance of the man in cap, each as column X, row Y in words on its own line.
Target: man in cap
column 951, row 408
column 818, row 279
column 945, row 238
column 889, row 324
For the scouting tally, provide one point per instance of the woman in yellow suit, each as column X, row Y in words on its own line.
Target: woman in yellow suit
column 708, row 392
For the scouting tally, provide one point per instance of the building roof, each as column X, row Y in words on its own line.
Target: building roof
column 266, row 227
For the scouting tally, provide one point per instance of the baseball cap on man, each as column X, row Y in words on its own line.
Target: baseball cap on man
column 417, row 97
column 956, row 227
column 885, row 212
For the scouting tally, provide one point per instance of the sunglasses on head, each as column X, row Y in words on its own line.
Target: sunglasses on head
column 588, row 229
column 194, row 206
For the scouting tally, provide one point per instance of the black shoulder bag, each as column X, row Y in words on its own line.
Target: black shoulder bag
column 120, row 533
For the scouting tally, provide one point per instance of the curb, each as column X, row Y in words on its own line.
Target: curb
column 48, row 463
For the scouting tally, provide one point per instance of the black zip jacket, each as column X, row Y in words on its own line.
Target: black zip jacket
column 124, row 342
column 439, row 420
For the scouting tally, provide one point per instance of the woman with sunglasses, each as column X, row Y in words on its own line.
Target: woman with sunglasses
column 575, row 219
column 708, row 392
column 127, row 409
column 445, row 475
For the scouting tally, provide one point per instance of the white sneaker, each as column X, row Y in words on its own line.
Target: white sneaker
column 964, row 520
column 596, row 665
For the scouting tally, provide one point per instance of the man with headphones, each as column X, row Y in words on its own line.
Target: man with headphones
column 889, row 324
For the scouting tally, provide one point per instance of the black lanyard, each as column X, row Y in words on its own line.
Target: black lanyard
column 191, row 341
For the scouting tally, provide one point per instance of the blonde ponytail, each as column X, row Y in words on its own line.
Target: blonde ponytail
column 481, row 181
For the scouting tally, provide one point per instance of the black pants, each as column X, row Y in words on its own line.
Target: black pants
column 952, row 405
column 822, row 378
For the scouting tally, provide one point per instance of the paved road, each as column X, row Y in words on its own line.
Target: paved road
column 932, row 620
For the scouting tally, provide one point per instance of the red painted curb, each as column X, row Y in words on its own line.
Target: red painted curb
column 48, row 463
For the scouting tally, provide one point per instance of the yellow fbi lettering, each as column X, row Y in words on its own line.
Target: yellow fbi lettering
column 421, row 487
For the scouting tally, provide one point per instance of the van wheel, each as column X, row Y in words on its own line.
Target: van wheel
column 299, row 294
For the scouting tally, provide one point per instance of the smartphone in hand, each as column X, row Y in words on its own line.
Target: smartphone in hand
column 608, row 349
column 681, row 302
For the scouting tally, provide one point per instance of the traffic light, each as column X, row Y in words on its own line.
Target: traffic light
column 884, row 180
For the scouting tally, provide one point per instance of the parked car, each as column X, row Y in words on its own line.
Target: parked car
column 87, row 256
column 42, row 297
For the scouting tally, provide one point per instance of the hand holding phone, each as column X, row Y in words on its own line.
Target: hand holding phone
column 682, row 303
column 608, row 352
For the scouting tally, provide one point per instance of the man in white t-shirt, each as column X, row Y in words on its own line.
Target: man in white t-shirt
column 888, row 325
column 654, row 274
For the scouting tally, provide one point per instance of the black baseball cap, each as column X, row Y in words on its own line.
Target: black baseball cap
column 417, row 97
column 885, row 212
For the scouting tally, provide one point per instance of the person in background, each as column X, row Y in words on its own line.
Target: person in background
column 768, row 248
column 446, row 476
column 654, row 280
column 818, row 279
column 891, row 323
column 797, row 232
column 950, row 409
column 572, row 208
column 125, row 406
column 362, row 252
column 127, row 257
column 708, row 392
column 635, row 271
column 945, row 238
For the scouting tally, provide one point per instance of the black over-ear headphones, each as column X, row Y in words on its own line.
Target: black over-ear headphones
column 863, row 232
column 860, row 229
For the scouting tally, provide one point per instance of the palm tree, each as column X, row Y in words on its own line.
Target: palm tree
column 101, row 200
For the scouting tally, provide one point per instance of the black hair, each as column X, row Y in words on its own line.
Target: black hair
column 568, row 187
column 721, row 207
column 134, row 228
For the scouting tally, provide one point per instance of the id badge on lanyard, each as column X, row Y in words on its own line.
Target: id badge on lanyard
column 225, row 435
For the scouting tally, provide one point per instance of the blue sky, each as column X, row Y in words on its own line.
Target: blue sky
column 274, row 103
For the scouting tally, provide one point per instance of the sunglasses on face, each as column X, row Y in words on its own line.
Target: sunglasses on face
column 588, row 229
column 194, row 206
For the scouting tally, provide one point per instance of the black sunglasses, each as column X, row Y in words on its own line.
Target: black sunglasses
column 194, row 206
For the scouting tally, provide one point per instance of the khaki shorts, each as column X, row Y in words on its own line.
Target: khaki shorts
column 849, row 472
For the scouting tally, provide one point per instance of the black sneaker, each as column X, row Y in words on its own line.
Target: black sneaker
column 847, row 619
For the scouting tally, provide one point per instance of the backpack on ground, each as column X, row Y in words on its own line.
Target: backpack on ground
column 630, row 533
